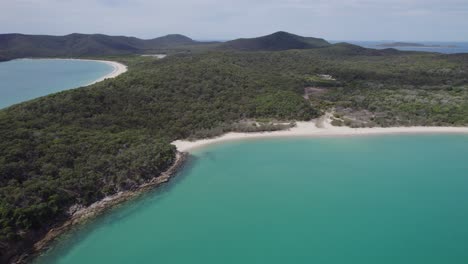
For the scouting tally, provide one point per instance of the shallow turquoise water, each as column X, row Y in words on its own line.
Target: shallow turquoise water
column 386, row 199
column 25, row 79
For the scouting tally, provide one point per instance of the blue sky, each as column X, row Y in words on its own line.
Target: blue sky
column 217, row 19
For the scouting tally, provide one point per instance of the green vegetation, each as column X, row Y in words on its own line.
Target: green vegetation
column 19, row 45
column 275, row 42
column 281, row 104
column 82, row 45
column 243, row 126
column 77, row 146
column 403, row 107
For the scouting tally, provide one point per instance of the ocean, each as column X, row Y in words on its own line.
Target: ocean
column 460, row 47
column 25, row 79
column 375, row 199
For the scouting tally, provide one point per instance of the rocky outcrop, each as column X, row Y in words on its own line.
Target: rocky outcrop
column 79, row 213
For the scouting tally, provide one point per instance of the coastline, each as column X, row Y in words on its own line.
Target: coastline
column 100, row 207
column 320, row 127
column 118, row 68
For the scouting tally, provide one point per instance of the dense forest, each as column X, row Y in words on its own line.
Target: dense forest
column 77, row 146
column 20, row 45
column 274, row 42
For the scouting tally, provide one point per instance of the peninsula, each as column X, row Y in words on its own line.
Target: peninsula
column 410, row 44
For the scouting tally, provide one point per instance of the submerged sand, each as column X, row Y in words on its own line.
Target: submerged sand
column 118, row 68
column 320, row 127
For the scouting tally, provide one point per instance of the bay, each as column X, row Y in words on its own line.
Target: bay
column 25, row 79
column 376, row 199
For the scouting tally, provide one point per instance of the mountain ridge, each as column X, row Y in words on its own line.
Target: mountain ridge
column 16, row 45
column 277, row 41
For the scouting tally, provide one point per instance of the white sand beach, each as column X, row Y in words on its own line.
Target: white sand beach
column 119, row 68
column 158, row 56
column 320, row 127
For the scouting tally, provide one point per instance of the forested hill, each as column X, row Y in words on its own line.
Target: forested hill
column 77, row 146
column 277, row 41
column 19, row 45
column 75, row 45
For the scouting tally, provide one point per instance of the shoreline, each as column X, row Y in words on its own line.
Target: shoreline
column 320, row 127
column 117, row 67
column 99, row 207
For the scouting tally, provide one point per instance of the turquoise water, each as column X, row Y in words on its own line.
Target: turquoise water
column 386, row 199
column 25, row 79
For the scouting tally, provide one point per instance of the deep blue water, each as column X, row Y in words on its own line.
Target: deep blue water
column 25, row 79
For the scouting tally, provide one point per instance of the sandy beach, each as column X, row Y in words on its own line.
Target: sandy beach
column 320, row 127
column 119, row 68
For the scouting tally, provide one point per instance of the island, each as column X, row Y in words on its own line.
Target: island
column 66, row 154
column 416, row 45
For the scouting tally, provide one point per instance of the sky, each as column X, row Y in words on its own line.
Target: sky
column 412, row 20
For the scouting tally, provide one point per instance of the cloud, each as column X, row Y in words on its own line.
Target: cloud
column 210, row 19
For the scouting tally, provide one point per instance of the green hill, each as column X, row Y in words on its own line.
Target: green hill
column 275, row 42
column 19, row 45
column 81, row 45
column 168, row 41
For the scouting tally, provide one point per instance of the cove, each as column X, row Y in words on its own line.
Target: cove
column 375, row 199
column 26, row 79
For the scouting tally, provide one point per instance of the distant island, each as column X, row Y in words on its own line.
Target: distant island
column 410, row 44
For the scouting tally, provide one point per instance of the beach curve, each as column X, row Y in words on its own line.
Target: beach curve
column 320, row 127
column 118, row 69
